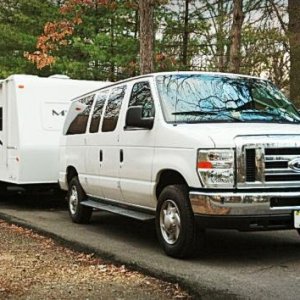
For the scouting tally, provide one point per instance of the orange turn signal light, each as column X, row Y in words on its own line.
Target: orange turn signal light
column 204, row 165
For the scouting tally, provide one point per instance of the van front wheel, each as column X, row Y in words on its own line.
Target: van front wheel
column 175, row 224
column 78, row 212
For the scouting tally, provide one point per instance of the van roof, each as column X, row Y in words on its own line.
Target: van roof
column 232, row 75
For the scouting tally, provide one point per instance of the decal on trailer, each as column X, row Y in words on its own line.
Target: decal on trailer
column 53, row 115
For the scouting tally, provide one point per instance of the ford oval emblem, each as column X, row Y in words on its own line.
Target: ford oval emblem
column 295, row 164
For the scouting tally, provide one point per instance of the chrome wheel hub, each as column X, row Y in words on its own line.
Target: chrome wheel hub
column 73, row 200
column 170, row 223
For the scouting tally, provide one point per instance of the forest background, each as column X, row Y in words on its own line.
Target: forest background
column 113, row 39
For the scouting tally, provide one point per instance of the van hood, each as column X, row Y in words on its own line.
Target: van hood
column 223, row 134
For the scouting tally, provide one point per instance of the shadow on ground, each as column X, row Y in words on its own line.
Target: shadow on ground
column 220, row 247
column 46, row 201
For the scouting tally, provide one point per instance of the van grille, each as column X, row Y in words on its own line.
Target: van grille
column 275, row 166
column 281, row 202
column 250, row 165
column 282, row 151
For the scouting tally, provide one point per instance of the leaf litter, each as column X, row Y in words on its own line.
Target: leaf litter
column 33, row 266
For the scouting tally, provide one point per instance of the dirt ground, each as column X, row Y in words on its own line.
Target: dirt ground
column 35, row 267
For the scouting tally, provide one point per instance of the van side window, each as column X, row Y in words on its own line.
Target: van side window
column 98, row 109
column 79, row 114
column 141, row 95
column 113, row 107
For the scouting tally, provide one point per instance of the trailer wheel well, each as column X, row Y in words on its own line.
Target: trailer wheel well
column 168, row 177
column 71, row 172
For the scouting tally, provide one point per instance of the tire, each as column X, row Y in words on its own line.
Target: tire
column 78, row 213
column 3, row 190
column 175, row 224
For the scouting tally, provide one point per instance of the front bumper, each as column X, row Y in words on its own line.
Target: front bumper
column 244, row 203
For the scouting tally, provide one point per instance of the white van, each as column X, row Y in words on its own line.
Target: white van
column 221, row 149
column 32, row 113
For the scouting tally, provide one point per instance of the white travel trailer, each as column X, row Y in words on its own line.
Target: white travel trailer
column 32, row 112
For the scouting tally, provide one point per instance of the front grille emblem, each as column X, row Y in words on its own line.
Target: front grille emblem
column 295, row 165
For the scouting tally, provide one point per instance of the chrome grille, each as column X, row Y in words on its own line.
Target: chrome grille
column 250, row 165
column 277, row 164
column 270, row 161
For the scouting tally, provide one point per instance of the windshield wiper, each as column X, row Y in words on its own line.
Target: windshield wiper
column 275, row 117
column 266, row 113
column 194, row 112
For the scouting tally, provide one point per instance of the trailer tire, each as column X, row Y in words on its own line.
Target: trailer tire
column 79, row 213
column 175, row 224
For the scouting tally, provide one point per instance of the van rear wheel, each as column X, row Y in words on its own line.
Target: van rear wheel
column 175, row 224
column 78, row 212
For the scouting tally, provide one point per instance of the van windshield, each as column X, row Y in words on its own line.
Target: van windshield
column 195, row 98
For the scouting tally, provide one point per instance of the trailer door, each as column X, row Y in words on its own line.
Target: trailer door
column 2, row 128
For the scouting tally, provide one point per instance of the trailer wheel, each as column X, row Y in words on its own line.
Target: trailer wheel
column 3, row 189
column 175, row 224
column 78, row 212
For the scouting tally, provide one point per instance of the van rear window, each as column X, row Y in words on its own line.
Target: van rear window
column 79, row 114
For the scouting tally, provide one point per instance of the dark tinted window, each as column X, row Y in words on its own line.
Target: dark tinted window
column 79, row 115
column 98, row 109
column 113, row 109
column 1, row 118
column 141, row 95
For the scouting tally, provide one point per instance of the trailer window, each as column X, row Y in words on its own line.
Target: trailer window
column 113, row 108
column 79, row 114
column 98, row 109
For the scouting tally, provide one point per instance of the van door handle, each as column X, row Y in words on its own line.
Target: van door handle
column 121, row 155
column 100, row 155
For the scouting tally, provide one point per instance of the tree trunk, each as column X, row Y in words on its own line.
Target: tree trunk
column 112, row 49
column 146, row 11
column 220, row 35
column 294, row 38
column 185, row 40
column 236, row 36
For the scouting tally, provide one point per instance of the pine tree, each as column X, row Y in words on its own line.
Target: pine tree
column 20, row 23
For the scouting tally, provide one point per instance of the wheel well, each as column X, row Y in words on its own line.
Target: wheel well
column 71, row 172
column 168, row 177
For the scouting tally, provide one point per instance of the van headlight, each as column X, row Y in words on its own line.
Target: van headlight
column 216, row 168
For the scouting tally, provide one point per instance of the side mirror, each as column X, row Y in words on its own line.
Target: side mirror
column 134, row 118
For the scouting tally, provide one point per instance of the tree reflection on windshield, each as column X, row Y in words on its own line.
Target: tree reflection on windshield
column 196, row 98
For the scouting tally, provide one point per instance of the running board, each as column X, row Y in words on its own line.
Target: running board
column 143, row 216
